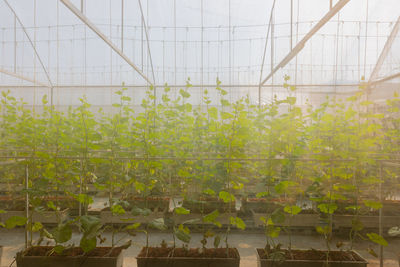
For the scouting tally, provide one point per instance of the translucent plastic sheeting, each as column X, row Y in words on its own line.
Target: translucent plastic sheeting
column 201, row 39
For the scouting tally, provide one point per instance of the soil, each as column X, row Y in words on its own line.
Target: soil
column 72, row 252
column 164, row 252
column 315, row 255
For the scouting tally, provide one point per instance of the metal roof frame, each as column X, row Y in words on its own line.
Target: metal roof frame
column 300, row 45
column 97, row 31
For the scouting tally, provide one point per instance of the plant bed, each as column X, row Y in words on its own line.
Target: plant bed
column 47, row 216
column 301, row 220
column 74, row 257
column 179, row 257
column 391, row 207
column 368, row 221
column 18, row 203
column 262, row 205
column 197, row 218
column 159, row 203
column 108, row 217
column 311, row 258
column 207, row 205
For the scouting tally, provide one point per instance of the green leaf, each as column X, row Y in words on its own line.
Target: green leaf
column 91, row 226
column 158, row 224
column 181, row 210
column 284, row 187
column 277, row 216
column 136, row 211
column 226, row 197
column 377, row 239
column 293, row 210
column 184, row 94
column 133, row 226
column 209, row 192
column 273, row 231
column 217, row 241
column 88, row 245
column 324, row 230
column 238, row 222
column 62, row 233
column 328, row 208
column 59, row 249
column 117, row 210
column 376, row 205
column 14, row 221
column 183, row 233
column 356, row 224
column 211, row 217
column 262, row 194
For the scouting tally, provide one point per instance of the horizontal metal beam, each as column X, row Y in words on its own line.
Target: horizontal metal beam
column 387, row 78
column 97, row 31
column 21, row 77
column 332, row 12
column 111, row 86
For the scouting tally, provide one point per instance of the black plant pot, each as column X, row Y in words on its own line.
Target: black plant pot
column 357, row 262
column 68, row 261
column 233, row 261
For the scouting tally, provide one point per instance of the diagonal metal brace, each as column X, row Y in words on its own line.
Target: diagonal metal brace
column 385, row 51
column 24, row 78
column 96, row 30
column 332, row 12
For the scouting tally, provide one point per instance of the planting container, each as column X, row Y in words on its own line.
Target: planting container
column 299, row 220
column 127, row 218
column 223, row 218
column 368, row 221
column 68, row 261
column 43, row 216
column 359, row 262
column 159, row 203
column 188, row 262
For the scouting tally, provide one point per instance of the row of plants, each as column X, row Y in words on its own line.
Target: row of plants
column 282, row 160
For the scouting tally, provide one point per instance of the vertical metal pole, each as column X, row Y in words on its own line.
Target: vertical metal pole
column 58, row 45
column 291, row 24
column 34, row 58
column 122, row 25
column 175, row 43
column 359, row 51
column 15, row 44
column 202, row 52
column 366, row 40
column 111, row 61
column 26, row 204
column 163, row 55
column 336, row 52
column 380, row 215
column 272, row 49
column 230, row 53
column 297, row 37
column 80, row 189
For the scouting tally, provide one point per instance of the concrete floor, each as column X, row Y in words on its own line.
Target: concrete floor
column 13, row 241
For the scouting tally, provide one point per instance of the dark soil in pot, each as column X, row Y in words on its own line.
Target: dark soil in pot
column 42, row 256
column 311, row 258
column 193, row 257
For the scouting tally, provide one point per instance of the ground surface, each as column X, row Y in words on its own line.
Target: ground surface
column 13, row 241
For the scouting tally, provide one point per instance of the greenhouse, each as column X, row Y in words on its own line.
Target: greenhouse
column 203, row 133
